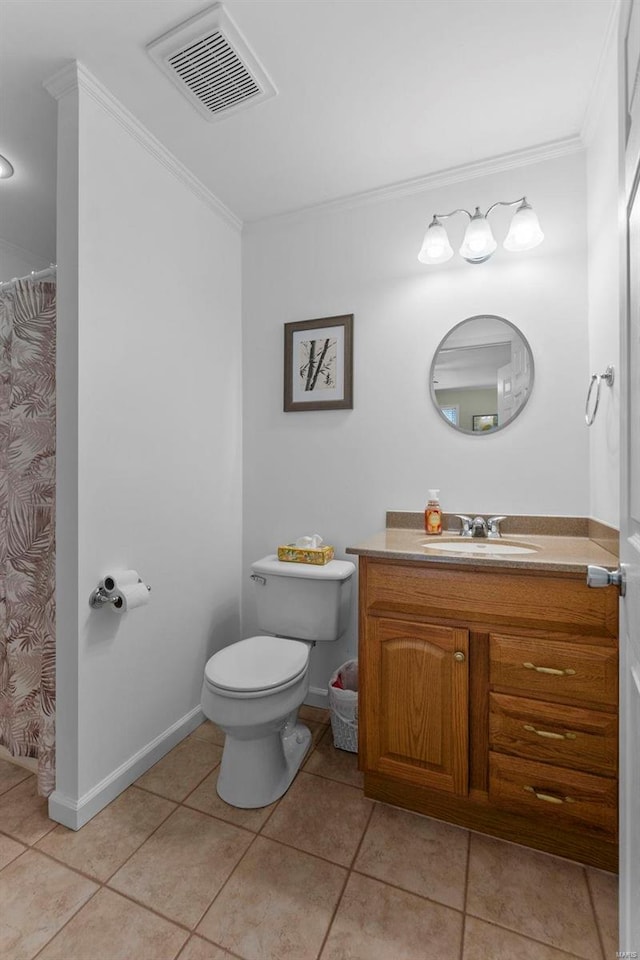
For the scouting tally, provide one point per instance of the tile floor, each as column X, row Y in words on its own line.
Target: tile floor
column 170, row 871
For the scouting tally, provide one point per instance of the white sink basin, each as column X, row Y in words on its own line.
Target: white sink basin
column 479, row 547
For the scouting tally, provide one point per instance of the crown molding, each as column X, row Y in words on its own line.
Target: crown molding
column 75, row 76
column 441, row 178
column 596, row 94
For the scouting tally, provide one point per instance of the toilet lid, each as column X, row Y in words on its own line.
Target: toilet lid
column 257, row 663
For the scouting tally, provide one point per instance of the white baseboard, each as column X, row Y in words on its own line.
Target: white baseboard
column 75, row 813
column 28, row 763
column 317, row 697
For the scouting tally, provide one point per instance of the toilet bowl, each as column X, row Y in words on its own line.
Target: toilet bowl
column 252, row 690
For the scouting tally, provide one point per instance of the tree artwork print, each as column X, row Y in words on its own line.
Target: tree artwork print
column 318, row 362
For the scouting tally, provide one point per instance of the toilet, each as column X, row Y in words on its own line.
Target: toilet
column 253, row 688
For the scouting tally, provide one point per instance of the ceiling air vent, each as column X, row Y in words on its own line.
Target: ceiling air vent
column 211, row 63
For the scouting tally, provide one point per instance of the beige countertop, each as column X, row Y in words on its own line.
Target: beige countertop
column 552, row 553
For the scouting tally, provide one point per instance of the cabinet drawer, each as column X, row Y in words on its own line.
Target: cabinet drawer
column 552, row 668
column 553, row 793
column 504, row 599
column 567, row 736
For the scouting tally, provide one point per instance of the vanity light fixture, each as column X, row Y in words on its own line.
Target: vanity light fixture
column 479, row 243
column 6, row 168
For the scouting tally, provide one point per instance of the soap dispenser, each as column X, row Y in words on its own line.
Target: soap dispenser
column 433, row 514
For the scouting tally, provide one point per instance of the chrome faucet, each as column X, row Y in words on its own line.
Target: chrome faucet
column 479, row 527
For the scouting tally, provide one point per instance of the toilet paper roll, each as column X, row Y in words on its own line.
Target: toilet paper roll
column 131, row 596
column 118, row 579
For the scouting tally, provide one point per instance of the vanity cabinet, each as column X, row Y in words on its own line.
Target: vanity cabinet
column 488, row 698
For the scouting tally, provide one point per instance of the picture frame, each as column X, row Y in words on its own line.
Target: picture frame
column 318, row 364
column 484, row 421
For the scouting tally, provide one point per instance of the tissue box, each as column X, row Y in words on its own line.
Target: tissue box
column 293, row 554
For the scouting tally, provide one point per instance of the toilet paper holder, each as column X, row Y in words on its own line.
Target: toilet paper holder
column 100, row 597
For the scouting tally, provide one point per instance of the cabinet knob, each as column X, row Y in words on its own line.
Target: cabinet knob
column 459, row 656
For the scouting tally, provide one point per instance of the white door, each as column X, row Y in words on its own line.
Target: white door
column 505, row 393
column 630, row 515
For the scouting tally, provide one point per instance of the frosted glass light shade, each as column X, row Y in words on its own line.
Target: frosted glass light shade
column 435, row 246
column 6, row 168
column 479, row 242
column 524, row 232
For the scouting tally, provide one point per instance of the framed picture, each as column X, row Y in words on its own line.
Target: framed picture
column 318, row 364
column 484, row 421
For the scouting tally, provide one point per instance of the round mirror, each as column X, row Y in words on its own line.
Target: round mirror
column 481, row 375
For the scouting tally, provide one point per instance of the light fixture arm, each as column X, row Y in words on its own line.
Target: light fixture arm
column 506, row 203
column 498, row 203
column 445, row 216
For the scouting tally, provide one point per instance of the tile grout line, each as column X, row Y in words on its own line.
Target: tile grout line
column 235, row 956
column 95, row 879
column 592, row 901
column 346, row 881
column 104, row 884
column 67, row 922
column 395, row 886
column 204, row 913
column 263, row 836
column 466, row 895
column 526, row 936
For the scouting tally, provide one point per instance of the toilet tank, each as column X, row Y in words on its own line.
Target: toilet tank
column 303, row 600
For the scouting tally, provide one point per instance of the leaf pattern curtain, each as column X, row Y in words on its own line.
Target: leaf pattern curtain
column 27, row 508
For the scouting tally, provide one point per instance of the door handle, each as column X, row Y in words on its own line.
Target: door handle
column 601, row 577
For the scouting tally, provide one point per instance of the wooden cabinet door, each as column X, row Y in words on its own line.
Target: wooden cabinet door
column 415, row 715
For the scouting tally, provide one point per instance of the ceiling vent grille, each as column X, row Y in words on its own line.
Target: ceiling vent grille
column 211, row 63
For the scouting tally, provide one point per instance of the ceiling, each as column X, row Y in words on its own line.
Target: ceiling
column 370, row 93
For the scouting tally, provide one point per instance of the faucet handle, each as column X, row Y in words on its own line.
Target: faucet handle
column 494, row 526
column 465, row 522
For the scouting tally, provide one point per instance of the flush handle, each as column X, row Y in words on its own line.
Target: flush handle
column 258, row 579
column 601, row 577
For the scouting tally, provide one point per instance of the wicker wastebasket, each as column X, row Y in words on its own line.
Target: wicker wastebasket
column 343, row 706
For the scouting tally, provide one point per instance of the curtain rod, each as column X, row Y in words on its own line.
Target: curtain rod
column 34, row 276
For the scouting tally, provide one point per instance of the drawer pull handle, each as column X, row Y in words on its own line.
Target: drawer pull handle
column 549, row 797
column 459, row 656
column 550, row 670
column 549, row 734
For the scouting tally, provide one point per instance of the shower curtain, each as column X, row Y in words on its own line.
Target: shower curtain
column 27, row 508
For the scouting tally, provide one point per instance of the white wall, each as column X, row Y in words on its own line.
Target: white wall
column 604, row 284
column 337, row 472
column 149, row 445
column 15, row 261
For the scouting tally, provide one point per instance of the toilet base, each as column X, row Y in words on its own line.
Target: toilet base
column 255, row 773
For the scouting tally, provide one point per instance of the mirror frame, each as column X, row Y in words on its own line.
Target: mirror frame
column 463, row 430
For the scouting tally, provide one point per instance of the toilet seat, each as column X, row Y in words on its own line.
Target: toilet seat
column 257, row 663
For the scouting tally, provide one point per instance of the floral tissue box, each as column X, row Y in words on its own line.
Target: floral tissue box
column 293, row 554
